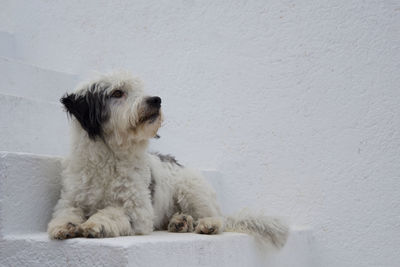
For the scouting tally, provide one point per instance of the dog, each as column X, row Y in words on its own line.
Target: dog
column 112, row 186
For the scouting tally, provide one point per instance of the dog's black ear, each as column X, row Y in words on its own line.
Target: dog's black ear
column 89, row 109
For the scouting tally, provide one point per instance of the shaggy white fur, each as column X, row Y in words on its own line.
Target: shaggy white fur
column 113, row 187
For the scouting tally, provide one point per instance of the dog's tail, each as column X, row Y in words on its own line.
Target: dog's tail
column 264, row 228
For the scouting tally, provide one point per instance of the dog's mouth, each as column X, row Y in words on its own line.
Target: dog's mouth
column 150, row 116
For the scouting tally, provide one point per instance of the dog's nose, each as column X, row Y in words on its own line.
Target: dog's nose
column 154, row 101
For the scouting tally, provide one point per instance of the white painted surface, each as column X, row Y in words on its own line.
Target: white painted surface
column 21, row 79
column 28, row 125
column 295, row 102
column 7, row 45
column 29, row 189
column 158, row 249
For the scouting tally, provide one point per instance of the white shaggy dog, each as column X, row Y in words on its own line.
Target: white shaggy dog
column 113, row 187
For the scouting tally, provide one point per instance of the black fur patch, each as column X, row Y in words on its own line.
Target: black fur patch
column 167, row 158
column 89, row 109
column 152, row 187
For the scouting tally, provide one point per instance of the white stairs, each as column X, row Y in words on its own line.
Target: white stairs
column 33, row 124
column 32, row 119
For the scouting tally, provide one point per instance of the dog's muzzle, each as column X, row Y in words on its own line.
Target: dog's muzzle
column 152, row 109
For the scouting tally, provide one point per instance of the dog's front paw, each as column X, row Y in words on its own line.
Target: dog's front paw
column 209, row 226
column 65, row 231
column 180, row 223
column 92, row 230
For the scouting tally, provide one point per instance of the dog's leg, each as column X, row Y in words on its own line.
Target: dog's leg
column 65, row 222
column 195, row 197
column 180, row 223
column 210, row 225
column 115, row 221
column 108, row 222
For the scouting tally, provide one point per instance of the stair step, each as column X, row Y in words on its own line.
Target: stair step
column 7, row 45
column 32, row 126
column 29, row 189
column 158, row 249
column 25, row 80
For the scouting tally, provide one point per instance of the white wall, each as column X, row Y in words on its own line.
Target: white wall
column 296, row 102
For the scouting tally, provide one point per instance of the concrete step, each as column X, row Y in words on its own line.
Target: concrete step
column 33, row 126
column 29, row 189
column 21, row 79
column 7, row 45
column 158, row 249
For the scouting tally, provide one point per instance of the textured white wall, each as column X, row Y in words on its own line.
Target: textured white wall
column 295, row 102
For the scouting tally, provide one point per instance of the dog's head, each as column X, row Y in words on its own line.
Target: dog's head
column 115, row 109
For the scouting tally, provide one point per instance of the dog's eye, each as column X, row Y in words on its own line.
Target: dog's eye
column 117, row 94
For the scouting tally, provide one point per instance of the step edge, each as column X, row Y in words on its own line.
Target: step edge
column 5, row 154
column 19, row 61
column 30, row 99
